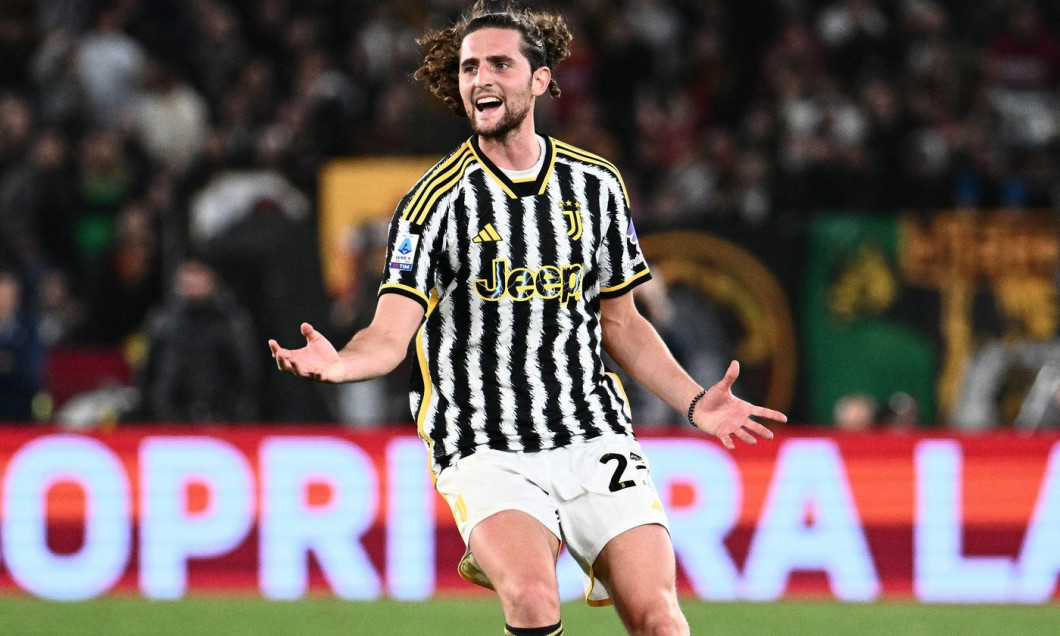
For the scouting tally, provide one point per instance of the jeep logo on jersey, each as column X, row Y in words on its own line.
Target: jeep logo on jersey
column 551, row 281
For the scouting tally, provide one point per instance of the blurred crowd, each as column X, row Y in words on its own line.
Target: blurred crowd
column 159, row 158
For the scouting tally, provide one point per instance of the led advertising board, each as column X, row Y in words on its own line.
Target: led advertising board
column 285, row 513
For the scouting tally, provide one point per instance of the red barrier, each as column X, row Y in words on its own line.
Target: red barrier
column 289, row 512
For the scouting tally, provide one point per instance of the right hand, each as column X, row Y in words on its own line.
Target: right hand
column 317, row 360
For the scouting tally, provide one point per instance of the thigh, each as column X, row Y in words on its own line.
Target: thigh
column 513, row 548
column 518, row 554
column 497, row 503
column 640, row 560
column 639, row 571
column 613, row 493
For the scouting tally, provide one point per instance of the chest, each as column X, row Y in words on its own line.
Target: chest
column 549, row 229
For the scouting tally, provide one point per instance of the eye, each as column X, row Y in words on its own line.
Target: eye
column 502, row 66
column 469, row 69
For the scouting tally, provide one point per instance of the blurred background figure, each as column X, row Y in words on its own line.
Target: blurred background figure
column 901, row 413
column 269, row 260
column 39, row 206
column 1013, row 376
column 21, row 353
column 855, row 413
column 691, row 326
column 200, row 365
column 126, row 280
column 170, row 118
column 109, row 65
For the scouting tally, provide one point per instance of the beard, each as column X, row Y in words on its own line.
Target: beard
column 500, row 130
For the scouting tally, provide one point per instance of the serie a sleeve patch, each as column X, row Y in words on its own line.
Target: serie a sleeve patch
column 404, row 252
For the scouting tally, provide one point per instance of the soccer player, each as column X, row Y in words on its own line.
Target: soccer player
column 510, row 264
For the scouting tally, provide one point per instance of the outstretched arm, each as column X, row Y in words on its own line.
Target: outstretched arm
column 375, row 351
column 635, row 345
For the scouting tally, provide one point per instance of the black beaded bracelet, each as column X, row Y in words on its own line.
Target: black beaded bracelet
column 692, row 407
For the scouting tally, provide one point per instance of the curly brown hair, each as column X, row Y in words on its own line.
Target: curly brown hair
column 545, row 42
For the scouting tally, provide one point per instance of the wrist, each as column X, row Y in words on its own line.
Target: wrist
column 692, row 407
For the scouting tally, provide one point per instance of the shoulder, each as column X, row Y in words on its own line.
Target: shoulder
column 457, row 156
column 584, row 157
column 590, row 162
column 441, row 178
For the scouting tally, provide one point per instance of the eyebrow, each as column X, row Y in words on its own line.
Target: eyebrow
column 493, row 59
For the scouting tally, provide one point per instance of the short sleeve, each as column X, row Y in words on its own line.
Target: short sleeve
column 622, row 265
column 409, row 266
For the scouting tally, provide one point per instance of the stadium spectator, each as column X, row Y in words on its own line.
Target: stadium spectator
column 109, row 63
column 855, row 413
column 886, row 127
column 200, row 365
column 856, row 34
column 218, row 51
column 901, row 414
column 1024, row 57
column 61, row 311
column 39, row 207
column 109, row 175
column 21, row 352
column 127, row 279
column 1025, row 342
column 16, row 41
column 17, row 123
column 701, row 346
column 269, row 261
column 170, row 117
column 1022, row 76
column 55, row 82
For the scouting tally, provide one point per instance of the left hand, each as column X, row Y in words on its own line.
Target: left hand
column 724, row 415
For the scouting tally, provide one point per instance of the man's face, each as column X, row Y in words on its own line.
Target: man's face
column 496, row 83
column 195, row 282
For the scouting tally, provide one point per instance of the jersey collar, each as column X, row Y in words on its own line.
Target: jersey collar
column 517, row 189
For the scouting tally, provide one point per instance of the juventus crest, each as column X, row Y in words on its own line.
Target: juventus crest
column 573, row 212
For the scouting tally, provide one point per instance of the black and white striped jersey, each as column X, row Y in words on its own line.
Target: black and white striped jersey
column 511, row 275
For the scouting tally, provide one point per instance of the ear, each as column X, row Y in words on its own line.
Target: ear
column 540, row 80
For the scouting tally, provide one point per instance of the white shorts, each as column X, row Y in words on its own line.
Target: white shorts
column 586, row 494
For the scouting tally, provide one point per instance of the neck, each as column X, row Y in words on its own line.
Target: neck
column 518, row 150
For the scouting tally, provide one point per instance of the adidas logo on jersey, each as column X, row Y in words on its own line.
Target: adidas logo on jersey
column 488, row 234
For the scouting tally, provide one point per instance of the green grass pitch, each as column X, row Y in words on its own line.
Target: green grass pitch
column 327, row 617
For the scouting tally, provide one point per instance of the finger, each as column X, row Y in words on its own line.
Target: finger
column 745, row 436
column 758, row 429
column 727, row 442
column 769, row 414
column 274, row 347
column 309, row 333
column 730, row 376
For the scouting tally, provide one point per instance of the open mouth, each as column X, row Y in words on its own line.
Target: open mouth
column 487, row 103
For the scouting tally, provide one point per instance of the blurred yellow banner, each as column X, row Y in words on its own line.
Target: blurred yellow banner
column 354, row 193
